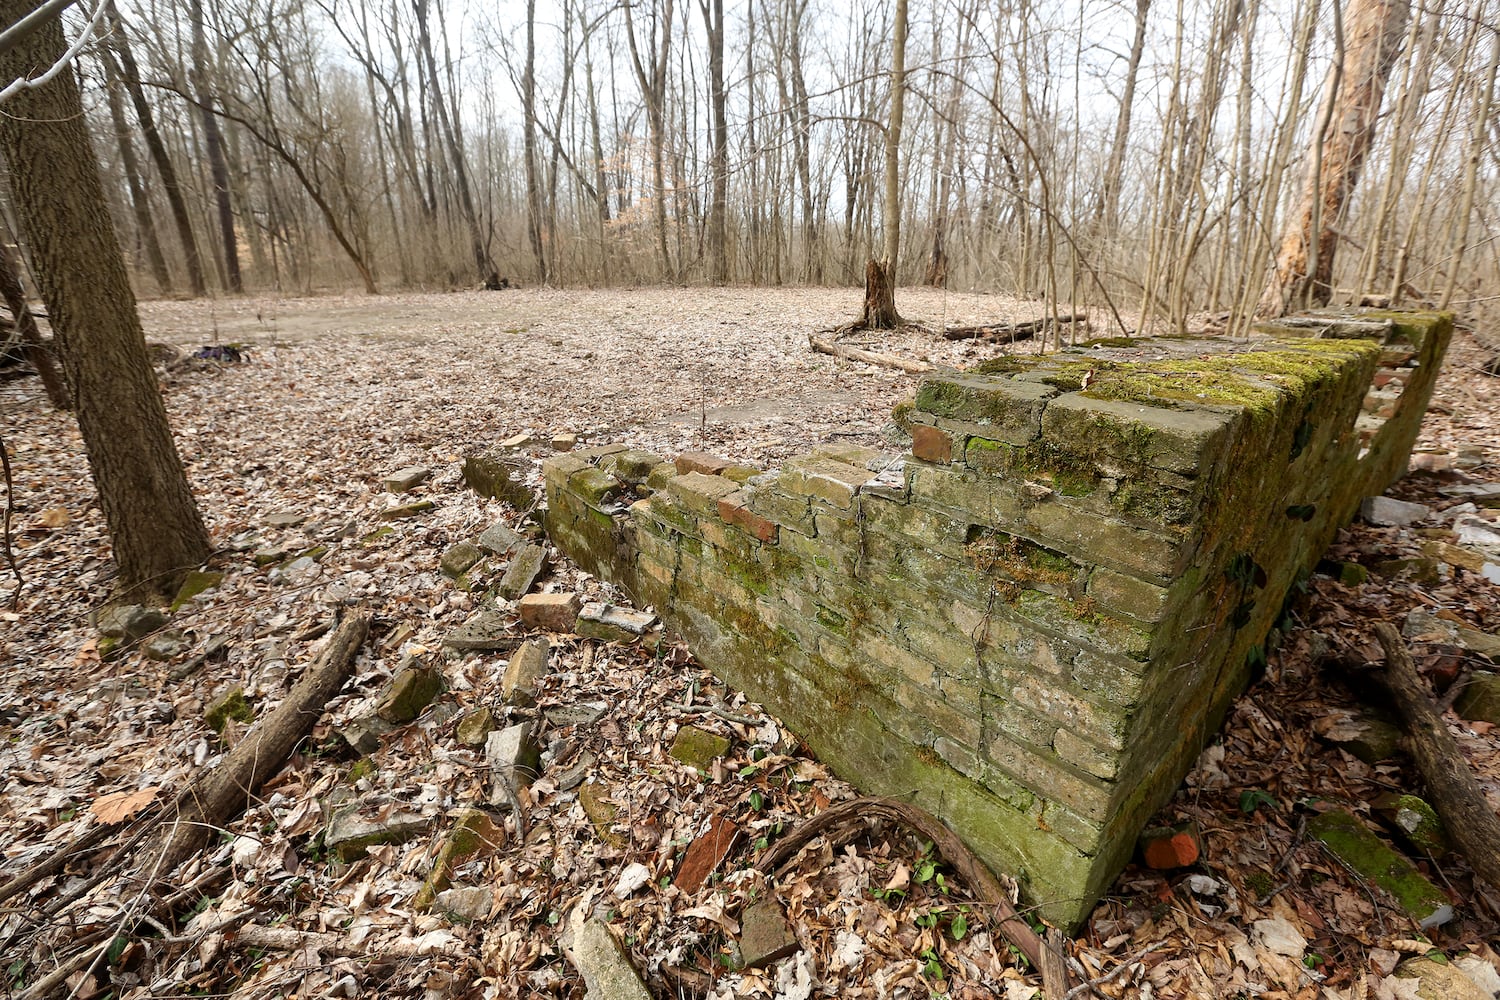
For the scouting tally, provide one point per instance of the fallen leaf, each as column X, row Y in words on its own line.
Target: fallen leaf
column 117, row 807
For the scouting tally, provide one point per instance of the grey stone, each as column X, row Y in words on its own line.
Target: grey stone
column 459, row 559
column 1388, row 512
column 582, row 713
column 1480, row 699
column 283, row 519
column 602, row 962
column 527, row 666
column 525, row 566
column 488, row 631
column 412, row 689
column 573, row 776
column 165, row 645
column 469, row 904
column 612, row 623
column 498, row 539
column 514, row 760
column 350, row 832
column 129, row 621
column 363, row 735
column 765, row 936
column 406, row 479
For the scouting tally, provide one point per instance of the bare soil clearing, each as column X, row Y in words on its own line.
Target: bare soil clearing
column 338, row 392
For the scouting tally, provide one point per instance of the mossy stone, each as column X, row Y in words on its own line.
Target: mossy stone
column 699, row 748
column 475, row 727
column 411, row 690
column 194, row 584
column 459, row 559
column 232, row 704
column 1353, row 843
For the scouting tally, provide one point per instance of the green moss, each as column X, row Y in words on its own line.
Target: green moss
column 194, row 584
column 231, row 705
column 365, row 767
column 1004, row 366
column 1112, row 342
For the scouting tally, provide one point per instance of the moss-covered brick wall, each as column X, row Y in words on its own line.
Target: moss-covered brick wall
column 1032, row 623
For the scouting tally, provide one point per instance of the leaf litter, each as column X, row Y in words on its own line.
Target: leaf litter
column 286, row 453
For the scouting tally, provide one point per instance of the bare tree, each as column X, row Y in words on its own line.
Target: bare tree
column 880, row 275
column 213, row 140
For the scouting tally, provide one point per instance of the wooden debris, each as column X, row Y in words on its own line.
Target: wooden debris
column 1006, row 333
column 843, row 353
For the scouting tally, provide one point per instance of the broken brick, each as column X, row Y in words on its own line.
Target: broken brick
column 732, row 510
column 699, row 461
column 931, row 444
column 705, row 853
column 553, row 612
column 1174, row 847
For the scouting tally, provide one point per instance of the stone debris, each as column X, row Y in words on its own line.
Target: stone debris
column 1353, row 843
column 765, row 936
column 499, row 476
column 467, row 905
column 552, row 612
column 564, row 441
column 601, row 811
column 606, row 969
column 351, row 831
column 572, row 777
column 525, row 566
column 474, row 834
column 475, row 727
column 698, row 748
column 130, row 622
column 527, row 666
column 164, row 645
column 1173, row 847
column 1417, row 822
column 283, row 519
column 1440, row 981
column 612, row 623
column 406, row 479
column 514, row 760
column 411, row 690
column 499, row 538
column 459, row 559
column 403, row 511
column 517, row 441
column 1392, row 513
column 1479, row 701
column 1361, row 735
column 582, row 713
column 490, row 630
column 231, row 705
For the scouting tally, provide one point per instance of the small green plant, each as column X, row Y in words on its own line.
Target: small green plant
column 931, row 968
column 1252, row 799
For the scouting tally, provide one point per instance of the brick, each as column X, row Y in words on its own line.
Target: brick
column 1084, row 755
column 702, row 462
column 931, row 444
column 699, row 493
column 824, row 479
column 705, row 853
column 1145, row 602
column 553, row 612
column 734, row 510
column 1173, row 847
column 1011, row 411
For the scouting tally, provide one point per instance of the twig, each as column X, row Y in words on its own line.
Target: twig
column 10, row 504
column 1114, row 973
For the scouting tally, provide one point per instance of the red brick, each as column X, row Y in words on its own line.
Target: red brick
column 733, row 511
column 930, row 444
column 699, row 461
column 1175, row 848
column 706, row 853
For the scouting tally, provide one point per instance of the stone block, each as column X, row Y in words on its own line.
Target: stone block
column 475, row 727
column 406, row 479
column 1363, row 852
column 353, row 830
column 459, row 559
column 499, row 476
column 487, row 631
column 612, row 623
column 594, row 487
column 1010, row 410
column 1127, row 595
column 514, row 761
column 527, row 666
column 825, row 479
column 552, row 612
column 700, row 493
column 1185, row 440
column 526, row 564
column 1480, row 698
column 499, row 538
column 788, row 510
column 698, row 748
column 130, row 622
column 700, row 462
column 474, row 835
column 631, row 466
column 765, row 935
column 411, row 690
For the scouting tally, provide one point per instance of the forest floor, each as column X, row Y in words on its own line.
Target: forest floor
column 287, row 450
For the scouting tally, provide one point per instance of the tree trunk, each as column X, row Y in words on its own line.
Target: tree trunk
column 880, row 275
column 213, row 140
column 38, row 353
column 158, row 150
column 718, row 249
column 59, row 201
column 145, row 223
column 1373, row 35
column 528, row 126
column 651, row 74
column 1108, row 206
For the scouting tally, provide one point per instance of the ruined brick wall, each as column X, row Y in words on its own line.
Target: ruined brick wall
column 1032, row 623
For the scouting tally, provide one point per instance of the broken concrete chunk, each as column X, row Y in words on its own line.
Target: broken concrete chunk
column 765, row 936
column 408, row 478
column 553, row 612
column 583, row 713
column 527, row 666
column 1480, row 699
column 488, row 631
column 350, row 833
column 514, row 760
column 129, row 621
column 405, row 510
column 1353, row 843
column 459, row 559
column 363, row 734
column 283, row 519
column 164, row 645
column 1392, row 513
column 606, row 969
column 475, row 727
column 411, row 690
column 698, row 748
column 499, row 539
column 612, row 623
column 468, row 905
column 525, row 566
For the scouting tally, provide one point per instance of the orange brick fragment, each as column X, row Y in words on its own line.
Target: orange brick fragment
column 931, row 444
column 733, row 511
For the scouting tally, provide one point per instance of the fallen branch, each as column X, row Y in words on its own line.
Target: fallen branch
column 291, row 939
column 868, row 357
column 847, row 820
column 223, row 793
column 1006, row 333
column 1454, row 792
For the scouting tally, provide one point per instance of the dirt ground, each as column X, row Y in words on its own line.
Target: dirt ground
column 338, row 391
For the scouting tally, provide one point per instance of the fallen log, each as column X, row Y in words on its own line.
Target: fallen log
column 223, row 793
column 822, row 346
column 1451, row 786
column 847, row 820
column 1006, row 333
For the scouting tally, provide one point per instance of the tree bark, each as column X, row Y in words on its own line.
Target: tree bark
column 38, row 353
column 880, row 275
column 1373, row 35
column 528, row 133
column 59, row 201
column 213, row 140
column 651, row 74
column 718, row 248
column 158, row 150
